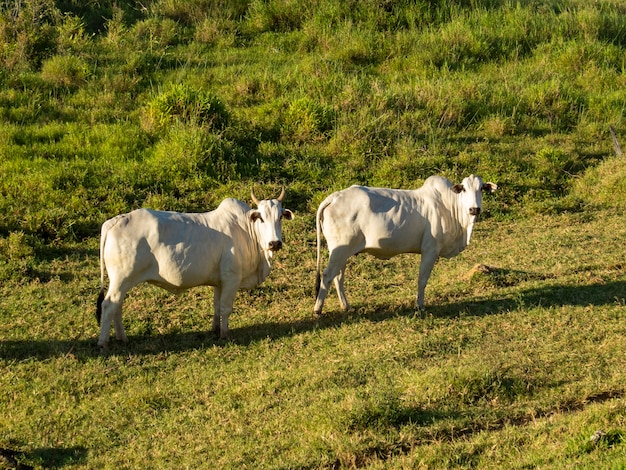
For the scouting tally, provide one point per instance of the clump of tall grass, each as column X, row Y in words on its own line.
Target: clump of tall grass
column 153, row 33
column 17, row 256
column 28, row 34
column 67, row 71
column 183, row 104
column 603, row 185
column 275, row 15
column 195, row 12
column 187, row 153
column 307, row 120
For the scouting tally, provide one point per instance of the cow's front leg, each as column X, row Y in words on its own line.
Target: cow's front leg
column 426, row 267
column 228, row 293
column 217, row 293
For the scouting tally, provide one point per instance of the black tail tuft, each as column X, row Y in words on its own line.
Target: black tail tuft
column 99, row 306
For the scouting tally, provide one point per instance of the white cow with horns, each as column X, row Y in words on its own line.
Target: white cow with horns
column 434, row 220
column 229, row 248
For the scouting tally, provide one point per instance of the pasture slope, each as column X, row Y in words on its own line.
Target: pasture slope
column 109, row 106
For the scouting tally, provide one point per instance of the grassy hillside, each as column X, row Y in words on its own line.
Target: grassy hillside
column 109, row 106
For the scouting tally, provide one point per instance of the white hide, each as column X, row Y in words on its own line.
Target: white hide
column 229, row 248
column 434, row 220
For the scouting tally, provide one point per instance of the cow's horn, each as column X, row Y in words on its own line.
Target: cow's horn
column 282, row 195
column 254, row 199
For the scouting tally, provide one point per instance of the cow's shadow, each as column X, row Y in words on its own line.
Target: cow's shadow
column 554, row 295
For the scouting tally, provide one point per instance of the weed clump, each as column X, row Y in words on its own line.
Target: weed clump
column 28, row 34
column 65, row 71
column 307, row 120
column 185, row 105
column 17, row 257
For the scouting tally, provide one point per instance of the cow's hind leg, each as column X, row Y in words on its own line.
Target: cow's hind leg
column 111, row 309
column 112, row 313
column 341, row 291
column 334, row 271
column 120, row 334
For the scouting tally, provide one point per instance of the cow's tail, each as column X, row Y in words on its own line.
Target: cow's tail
column 103, row 236
column 319, row 220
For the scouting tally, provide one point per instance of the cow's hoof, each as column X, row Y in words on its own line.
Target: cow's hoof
column 104, row 349
column 318, row 313
column 420, row 312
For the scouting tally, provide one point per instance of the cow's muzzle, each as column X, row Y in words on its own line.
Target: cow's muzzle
column 275, row 245
column 474, row 211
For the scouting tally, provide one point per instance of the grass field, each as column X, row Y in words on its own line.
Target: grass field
column 106, row 107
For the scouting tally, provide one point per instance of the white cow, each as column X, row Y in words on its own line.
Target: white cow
column 229, row 248
column 434, row 220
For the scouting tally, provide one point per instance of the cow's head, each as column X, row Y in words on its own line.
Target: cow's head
column 470, row 192
column 268, row 221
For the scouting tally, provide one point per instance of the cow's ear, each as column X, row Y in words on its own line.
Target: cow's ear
column 288, row 215
column 255, row 215
column 458, row 188
column 490, row 187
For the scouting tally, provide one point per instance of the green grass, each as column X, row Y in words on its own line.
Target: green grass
column 516, row 369
column 111, row 106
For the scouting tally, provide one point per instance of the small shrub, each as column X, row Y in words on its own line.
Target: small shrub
column 207, row 32
column 195, row 12
column 116, row 28
column 17, row 257
column 307, row 120
column 276, row 15
column 16, row 246
column 156, row 33
column 28, row 34
column 553, row 165
column 72, row 35
column 603, row 185
column 66, row 71
column 184, row 105
column 188, row 152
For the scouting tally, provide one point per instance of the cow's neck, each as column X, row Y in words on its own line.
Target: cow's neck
column 264, row 262
column 466, row 223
